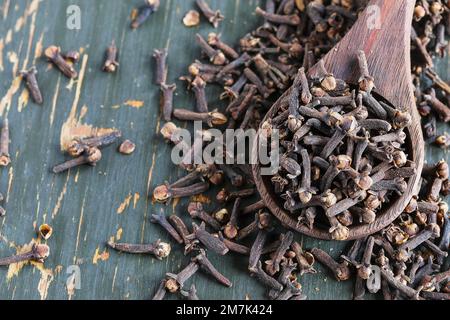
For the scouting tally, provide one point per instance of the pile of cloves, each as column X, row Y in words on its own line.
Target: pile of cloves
column 343, row 156
column 431, row 25
column 407, row 259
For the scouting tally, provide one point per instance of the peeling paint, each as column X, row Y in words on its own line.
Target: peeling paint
column 30, row 41
column 23, row 100
column 39, row 49
column 71, row 286
column 136, row 198
column 14, row 60
column 134, row 103
column 19, row 24
column 58, row 269
column 45, row 280
column 72, row 128
column 124, row 205
column 60, row 198
column 55, row 100
column 10, row 182
column 200, row 198
column 5, row 8
column 134, row 14
column 80, row 223
column 75, row 179
column 5, row 102
column 15, row 268
column 71, row 119
column 71, row 84
column 150, row 172
column 103, row 256
column 8, row 37
column 2, row 46
column 175, row 203
column 119, row 233
column 114, row 279
column 149, row 180
column 33, row 7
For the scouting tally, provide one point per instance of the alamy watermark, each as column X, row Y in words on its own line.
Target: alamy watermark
column 73, row 17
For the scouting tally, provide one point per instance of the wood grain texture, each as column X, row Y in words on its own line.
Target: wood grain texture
column 88, row 206
column 382, row 32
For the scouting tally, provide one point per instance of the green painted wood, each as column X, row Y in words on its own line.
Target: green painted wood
column 82, row 205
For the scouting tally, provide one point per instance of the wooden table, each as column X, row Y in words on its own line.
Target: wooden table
column 90, row 205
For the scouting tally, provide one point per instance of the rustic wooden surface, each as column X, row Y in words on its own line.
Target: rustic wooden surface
column 89, row 206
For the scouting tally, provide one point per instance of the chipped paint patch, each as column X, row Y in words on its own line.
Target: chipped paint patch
column 14, row 60
column 149, row 180
column 39, row 49
column 8, row 37
column 150, row 172
column 15, row 268
column 45, row 280
column 30, row 40
column 19, row 24
column 5, row 8
column 70, row 84
column 30, row 10
column 103, row 256
column 136, row 198
column 114, row 279
column 5, row 102
column 124, row 205
column 33, row 7
column 200, row 198
column 2, row 46
column 119, row 233
column 134, row 14
column 60, row 198
column 175, row 203
column 71, row 121
column 10, row 181
column 23, row 100
column 134, row 103
column 73, row 128
column 80, row 223
column 58, row 269
column 75, row 179
column 54, row 100
column 71, row 285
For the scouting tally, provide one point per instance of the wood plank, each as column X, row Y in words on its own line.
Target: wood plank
column 89, row 205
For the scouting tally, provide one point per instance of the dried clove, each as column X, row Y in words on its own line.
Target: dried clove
column 111, row 62
column 32, row 84
column 39, row 252
column 145, row 11
column 214, row 17
column 159, row 249
column 53, row 53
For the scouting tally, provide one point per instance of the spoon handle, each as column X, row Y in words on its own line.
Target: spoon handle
column 383, row 32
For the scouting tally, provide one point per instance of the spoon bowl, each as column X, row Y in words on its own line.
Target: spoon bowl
column 383, row 32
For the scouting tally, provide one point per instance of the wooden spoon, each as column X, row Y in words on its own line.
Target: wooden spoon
column 382, row 31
